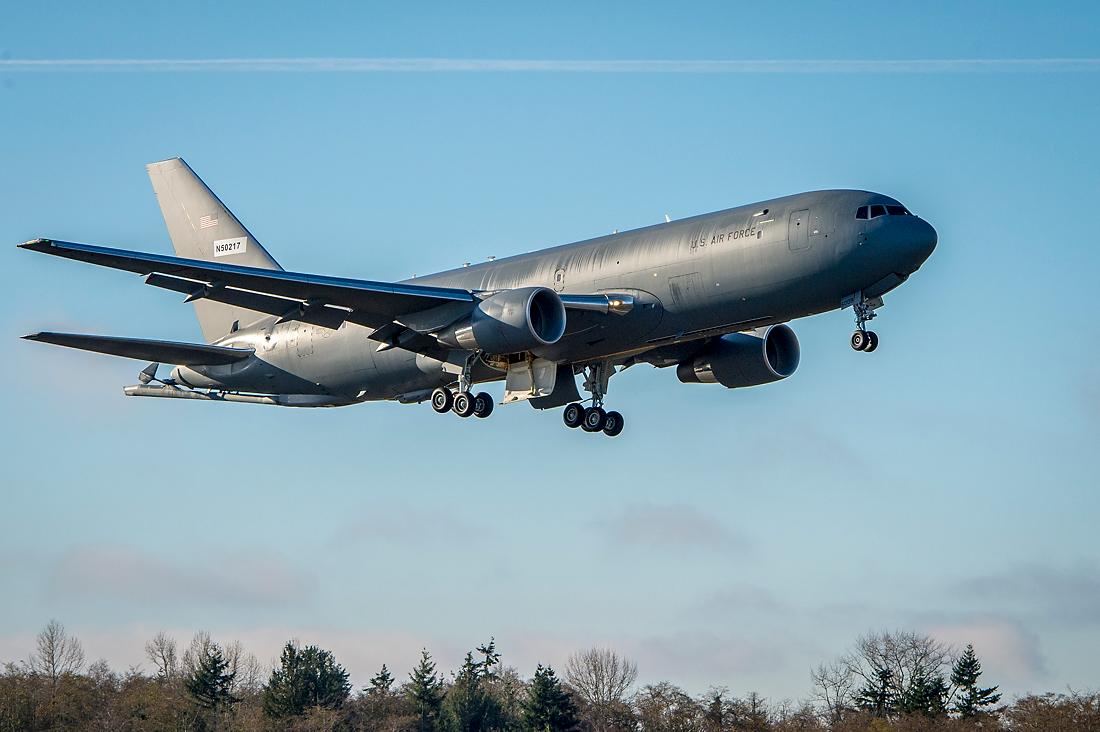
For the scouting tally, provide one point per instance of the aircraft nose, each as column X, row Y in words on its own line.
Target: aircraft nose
column 919, row 241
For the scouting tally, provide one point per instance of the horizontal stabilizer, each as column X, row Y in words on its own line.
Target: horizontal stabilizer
column 181, row 354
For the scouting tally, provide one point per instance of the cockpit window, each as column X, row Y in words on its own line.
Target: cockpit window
column 873, row 212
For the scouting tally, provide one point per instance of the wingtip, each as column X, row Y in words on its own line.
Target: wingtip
column 35, row 243
column 33, row 336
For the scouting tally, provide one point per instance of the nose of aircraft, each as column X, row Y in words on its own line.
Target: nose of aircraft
column 916, row 241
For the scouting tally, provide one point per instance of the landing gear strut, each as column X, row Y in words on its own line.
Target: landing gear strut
column 461, row 401
column 595, row 418
column 864, row 308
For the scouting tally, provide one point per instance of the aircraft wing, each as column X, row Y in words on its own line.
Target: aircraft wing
column 324, row 300
column 183, row 354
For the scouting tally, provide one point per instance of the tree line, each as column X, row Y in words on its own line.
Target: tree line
column 900, row 681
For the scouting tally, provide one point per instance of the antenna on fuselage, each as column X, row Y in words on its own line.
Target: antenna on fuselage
column 667, row 219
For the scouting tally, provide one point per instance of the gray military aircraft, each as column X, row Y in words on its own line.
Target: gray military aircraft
column 709, row 295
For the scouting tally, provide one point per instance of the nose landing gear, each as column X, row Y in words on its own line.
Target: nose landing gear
column 595, row 418
column 864, row 308
column 864, row 340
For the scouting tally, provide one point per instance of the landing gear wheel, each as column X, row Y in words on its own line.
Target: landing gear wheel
column 442, row 399
column 483, row 405
column 612, row 424
column 872, row 341
column 594, row 418
column 573, row 415
column 463, row 404
column 860, row 340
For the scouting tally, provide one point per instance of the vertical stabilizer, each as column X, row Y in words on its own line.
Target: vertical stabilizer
column 201, row 227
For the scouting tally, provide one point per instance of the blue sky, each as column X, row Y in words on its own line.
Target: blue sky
column 946, row 484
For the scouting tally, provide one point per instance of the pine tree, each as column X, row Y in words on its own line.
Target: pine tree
column 964, row 675
column 469, row 707
column 549, row 707
column 425, row 693
column 382, row 683
column 877, row 696
column 926, row 694
column 209, row 684
column 490, row 658
column 306, row 677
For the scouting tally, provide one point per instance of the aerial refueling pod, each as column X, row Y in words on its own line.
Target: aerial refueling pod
column 741, row 359
column 510, row 321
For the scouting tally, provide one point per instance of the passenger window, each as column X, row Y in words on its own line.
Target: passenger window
column 897, row 211
column 861, row 212
column 878, row 210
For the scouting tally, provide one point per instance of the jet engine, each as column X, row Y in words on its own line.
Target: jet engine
column 742, row 359
column 510, row 321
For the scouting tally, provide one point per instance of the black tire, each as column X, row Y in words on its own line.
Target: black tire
column 463, row 404
column 442, row 399
column 612, row 424
column 872, row 341
column 859, row 340
column 483, row 405
column 594, row 417
column 573, row 415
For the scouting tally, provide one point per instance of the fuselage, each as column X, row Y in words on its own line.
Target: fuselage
column 691, row 279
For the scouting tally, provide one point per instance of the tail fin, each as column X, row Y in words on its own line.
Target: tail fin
column 201, row 227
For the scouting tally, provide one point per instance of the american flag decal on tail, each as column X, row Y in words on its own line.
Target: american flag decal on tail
column 205, row 222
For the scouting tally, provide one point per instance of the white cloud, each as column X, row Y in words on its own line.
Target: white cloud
column 674, row 526
column 1066, row 594
column 403, row 524
column 622, row 66
column 1002, row 646
column 122, row 574
column 739, row 598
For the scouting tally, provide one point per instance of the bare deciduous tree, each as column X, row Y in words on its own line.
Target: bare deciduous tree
column 57, row 653
column 834, row 687
column 245, row 667
column 201, row 645
column 161, row 652
column 905, row 654
column 600, row 676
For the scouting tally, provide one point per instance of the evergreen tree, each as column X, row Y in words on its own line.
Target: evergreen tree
column 548, row 707
column 972, row 698
column 382, row 683
column 210, row 682
column 877, row 696
column 425, row 694
column 489, row 658
column 306, row 677
column 469, row 707
column 926, row 694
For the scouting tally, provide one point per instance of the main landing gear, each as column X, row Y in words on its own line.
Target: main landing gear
column 595, row 418
column 863, row 339
column 461, row 401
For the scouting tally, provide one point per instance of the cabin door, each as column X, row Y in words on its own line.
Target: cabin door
column 797, row 235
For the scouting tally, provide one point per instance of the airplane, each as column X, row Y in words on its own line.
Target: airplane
column 710, row 295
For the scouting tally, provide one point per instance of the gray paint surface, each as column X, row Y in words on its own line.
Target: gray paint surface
column 691, row 280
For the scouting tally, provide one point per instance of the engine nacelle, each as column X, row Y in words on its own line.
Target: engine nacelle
column 739, row 359
column 511, row 321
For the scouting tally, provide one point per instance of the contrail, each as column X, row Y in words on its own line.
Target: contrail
column 597, row 66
